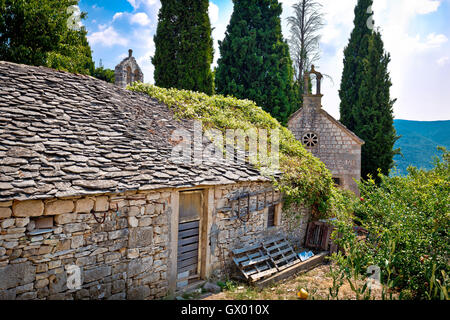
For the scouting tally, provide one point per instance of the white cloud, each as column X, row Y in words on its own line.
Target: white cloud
column 414, row 78
column 443, row 61
column 435, row 40
column 118, row 15
column 213, row 12
column 136, row 4
column 425, row 6
column 107, row 37
column 140, row 18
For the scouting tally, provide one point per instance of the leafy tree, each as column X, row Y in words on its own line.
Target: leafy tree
column 104, row 74
column 184, row 47
column 255, row 63
column 304, row 41
column 366, row 107
column 36, row 32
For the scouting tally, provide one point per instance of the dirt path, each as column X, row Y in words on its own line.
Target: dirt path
column 317, row 282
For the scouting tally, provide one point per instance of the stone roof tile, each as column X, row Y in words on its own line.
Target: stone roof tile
column 63, row 134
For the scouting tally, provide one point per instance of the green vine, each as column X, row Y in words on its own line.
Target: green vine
column 305, row 179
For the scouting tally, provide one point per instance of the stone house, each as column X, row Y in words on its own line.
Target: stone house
column 91, row 205
column 327, row 138
column 128, row 71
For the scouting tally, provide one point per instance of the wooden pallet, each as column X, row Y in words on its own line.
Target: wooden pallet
column 280, row 252
column 318, row 235
column 264, row 259
column 253, row 262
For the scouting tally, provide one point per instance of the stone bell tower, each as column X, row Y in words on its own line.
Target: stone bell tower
column 311, row 100
column 327, row 138
column 128, row 71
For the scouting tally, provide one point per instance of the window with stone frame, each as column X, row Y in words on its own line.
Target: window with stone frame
column 271, row 217
column 310, row 140
column 337, row 181
column 129, row 75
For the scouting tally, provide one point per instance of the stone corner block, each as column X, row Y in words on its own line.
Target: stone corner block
column 5, row 213
column 84, row 205
column 59, row 207
column 28, row 208
column 101, row 204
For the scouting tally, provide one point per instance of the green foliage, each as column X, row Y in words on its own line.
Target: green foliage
column 354, row 53
column 255, row 63
column 305, row 179
column 366, row 107
column 36, row 32
column 408, row 220
column 184, row 47
column 104, row 74
column 373, row 111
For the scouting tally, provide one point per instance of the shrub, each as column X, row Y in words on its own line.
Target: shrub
column 407, row 219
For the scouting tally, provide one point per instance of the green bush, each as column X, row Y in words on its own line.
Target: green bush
column 407, row 219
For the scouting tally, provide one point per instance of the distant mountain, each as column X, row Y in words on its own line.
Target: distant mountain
column 419, row 142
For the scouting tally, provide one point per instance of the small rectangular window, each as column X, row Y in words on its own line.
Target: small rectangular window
column 43, row 223
column 271, row 217
column 337, row 182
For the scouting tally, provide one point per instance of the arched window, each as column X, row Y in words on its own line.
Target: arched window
column 137, row 76
column 128, row 75
column 315, row 78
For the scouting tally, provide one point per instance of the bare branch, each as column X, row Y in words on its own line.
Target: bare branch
column 305, row 25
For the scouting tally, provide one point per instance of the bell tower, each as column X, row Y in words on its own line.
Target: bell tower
column 312, row 100
column 128, row 71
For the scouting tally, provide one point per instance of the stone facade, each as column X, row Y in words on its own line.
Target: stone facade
column 90, row 194
column 229, row 233
column 328, row 139
column 129, row 255
column 128, row 71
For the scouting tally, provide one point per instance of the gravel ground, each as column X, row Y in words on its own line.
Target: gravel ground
column 316, row 282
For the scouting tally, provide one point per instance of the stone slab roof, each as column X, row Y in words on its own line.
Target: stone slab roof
column 63, row 134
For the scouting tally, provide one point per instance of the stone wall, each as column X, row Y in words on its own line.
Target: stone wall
column 228, row 232
column 123, row 258
column 128, row 256
column 336, row 147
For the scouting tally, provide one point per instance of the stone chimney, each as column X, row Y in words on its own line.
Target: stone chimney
column 312, row 100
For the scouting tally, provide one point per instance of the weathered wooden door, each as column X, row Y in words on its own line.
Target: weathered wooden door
column 189, row 226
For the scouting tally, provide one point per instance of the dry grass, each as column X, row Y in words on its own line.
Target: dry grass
column 317, row 282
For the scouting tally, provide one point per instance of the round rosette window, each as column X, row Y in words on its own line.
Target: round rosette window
column 310, row 140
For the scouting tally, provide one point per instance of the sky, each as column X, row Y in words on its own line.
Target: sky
column 416, row 33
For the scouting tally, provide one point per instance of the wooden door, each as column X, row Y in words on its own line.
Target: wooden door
column 189, row 226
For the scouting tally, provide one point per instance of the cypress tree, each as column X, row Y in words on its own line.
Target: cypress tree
column 255, row 63
column 354, row 53
column 184, row 47
column 373, row 112
column 366, row 107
